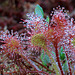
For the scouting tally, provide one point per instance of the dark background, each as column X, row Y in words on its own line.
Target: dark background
column 12, row 11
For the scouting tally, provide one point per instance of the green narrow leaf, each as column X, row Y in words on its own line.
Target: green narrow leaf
column 61, row 49
column 62, row 56
column 44, row 58
column 47, row 58
column 65, row 66
column 47, row 19
column 39, row 11
column 42, row 55
column 44, row 62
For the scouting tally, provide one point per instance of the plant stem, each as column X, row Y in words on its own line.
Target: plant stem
column 42, row 65
column 55, row 66
column 68, row 64
column 38, row 72
column 57, row 57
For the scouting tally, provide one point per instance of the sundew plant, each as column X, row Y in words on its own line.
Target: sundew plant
column 47, row 47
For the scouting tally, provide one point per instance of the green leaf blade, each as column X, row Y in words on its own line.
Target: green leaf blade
column 62, row 54
column 42, row 55
column 47, row 58
column 47, row 19
column 44, row 58
column 39, row 11
column 65, row 66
